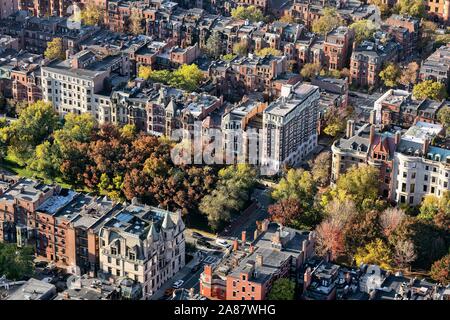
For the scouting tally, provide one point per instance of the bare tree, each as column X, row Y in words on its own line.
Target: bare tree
column 330, row 238
column 405, row 253
column 390, row 219
column 321, row 167
column 341, row 211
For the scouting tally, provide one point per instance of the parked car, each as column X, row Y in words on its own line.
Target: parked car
column 223, row 243
column 177, row 284
column 197, row 235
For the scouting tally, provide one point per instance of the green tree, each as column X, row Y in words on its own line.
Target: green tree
column 230, row 194
column 430, row 89
column 384, row 8
column 390, row 75
column 296, row 184
column 55, row 50
column 77, row 127
column 214, row 45
column 376, row 252
column 92, row 14
column 228, row 57
column 359, row 184
column 364, row 29
column 240, row 49
column 440, row 270
column 35, row 124
column 327, row 22
column 268, row 51
column 334, row 128
column 250, row 13
column 3, row 137
column 309, row 70
column 16, row 263
column 46, row 161
column 287, row 19
column 187, row 77
column 144, row 72
column 429, row 207
column 161, row 76
column 282, row 289
column 415, row 8
column 444, row 116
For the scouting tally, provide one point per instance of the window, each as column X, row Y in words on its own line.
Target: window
column 425, row 188
column 412, row 187
column 425, row 177
column 136, row 267
column 118, row 272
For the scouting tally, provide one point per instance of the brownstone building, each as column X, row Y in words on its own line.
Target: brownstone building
column 337, row 47
column 368, row 59
column 18, row 205
column 248, row 272
column 68, row 229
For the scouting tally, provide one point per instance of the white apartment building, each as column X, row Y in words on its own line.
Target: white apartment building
column 78, row 84
column 420, row 168
column 143, row 243
column 290, row 126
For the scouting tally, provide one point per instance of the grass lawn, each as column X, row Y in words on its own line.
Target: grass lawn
column 11, row 165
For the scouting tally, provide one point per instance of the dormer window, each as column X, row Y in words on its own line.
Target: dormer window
column 437, row 157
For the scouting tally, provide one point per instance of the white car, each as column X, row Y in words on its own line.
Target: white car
column 177, row 284
column 222, row 243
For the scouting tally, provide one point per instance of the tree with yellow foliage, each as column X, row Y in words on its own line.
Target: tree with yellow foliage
column 55, row 49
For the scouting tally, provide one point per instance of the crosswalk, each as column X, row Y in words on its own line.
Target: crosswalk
column 210, row 260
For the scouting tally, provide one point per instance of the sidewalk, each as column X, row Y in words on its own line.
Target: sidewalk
column 179, row 275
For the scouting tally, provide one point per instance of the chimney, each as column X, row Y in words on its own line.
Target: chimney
column 66, row 295
column 256, row 234
column 265, row 225
column 243, row 237
column 372, row 134
column 397, row 137
column 134, row 201
column 235, row 245
column 191, row 293
column 208, row 270
column 372, row 117
column 251, row 248
column 307, row 279
column 259, row 260
column 304, row 245
column 350, row 129
column 425, row 146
